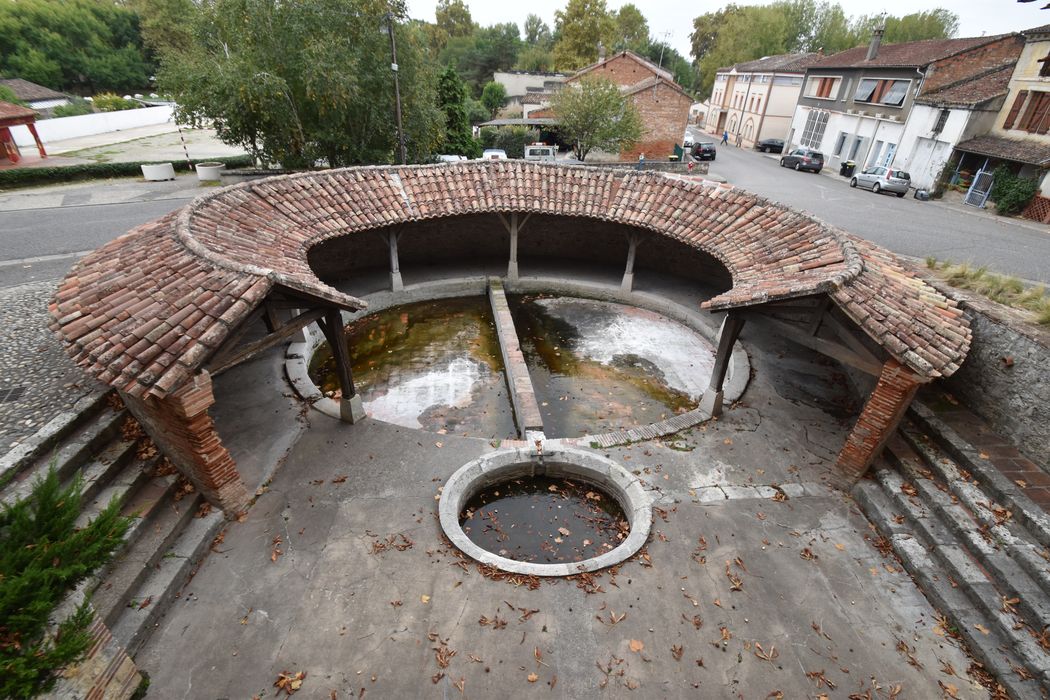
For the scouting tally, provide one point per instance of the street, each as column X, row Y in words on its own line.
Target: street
column 906, row 226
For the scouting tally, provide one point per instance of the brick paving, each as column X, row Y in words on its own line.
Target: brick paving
column 37, row 379
column 1033, row 479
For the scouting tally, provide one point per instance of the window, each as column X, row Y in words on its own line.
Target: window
column 895, row 93
column 865, row 90
column 787, row 80
column 758, row 104
column 1036, row 119
column 942, row 119
column 822, row 88
column 813, row 133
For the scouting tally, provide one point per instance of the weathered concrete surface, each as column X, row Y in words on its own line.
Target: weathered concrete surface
column 522, row 394
column 329, row 606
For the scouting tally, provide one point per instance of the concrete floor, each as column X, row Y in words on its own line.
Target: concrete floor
column 817, row 600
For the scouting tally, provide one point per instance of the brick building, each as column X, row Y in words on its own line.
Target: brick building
column 661, row 102
column 858, row 104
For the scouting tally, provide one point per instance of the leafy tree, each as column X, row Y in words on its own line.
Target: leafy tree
column 513, row 139
column 453, row 17
column 580, row 28
column 932, row 24
column 165, row 24
column 593, row 113
column 537, row 33
column 664, row 55
column 476, row 112
column 631, row 29
column 535, row 59
column 299, row 82
column 494, row 97
column 452, row 96
column 477, row 56
column 77, row 45
column 43, row 556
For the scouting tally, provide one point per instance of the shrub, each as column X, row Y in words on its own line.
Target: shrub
column 76, row 107
column 488, row 136
column 109, row 102
column 1011, row 193
column 25, row 177
column 43, row 556
column 513, row 140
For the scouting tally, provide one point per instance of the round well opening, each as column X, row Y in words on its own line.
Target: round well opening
column 596, row 508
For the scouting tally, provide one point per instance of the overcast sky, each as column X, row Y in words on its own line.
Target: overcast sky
column 976, row 17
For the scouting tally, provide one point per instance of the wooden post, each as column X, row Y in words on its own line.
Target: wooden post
column 727, row 335
column 350, row 407
column 36, row 137
column 512, row 267
column 396, row 283
column 627, row 284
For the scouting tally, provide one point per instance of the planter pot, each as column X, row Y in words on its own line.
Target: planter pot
column 210, row 171
column 158, row 171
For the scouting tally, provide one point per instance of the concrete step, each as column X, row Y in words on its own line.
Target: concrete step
column 150, row 539
column 159, row 589
column 69, row 454
column 991, row 480
column 959, row 590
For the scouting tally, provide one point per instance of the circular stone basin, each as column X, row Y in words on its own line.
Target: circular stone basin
column 620, row 515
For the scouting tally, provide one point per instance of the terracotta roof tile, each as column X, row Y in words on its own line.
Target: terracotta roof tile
column 147, row 310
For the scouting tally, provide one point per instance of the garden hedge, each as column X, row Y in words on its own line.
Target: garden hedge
column 24, row 177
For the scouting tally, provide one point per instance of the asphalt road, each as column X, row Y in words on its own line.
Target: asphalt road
column 904, row 225
column 43, row 243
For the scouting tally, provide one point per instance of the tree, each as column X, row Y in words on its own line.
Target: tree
column 580, row 28
column 77, row 45
column 537, row 33
column 594, row 114
column 43, row 556
column 453, row 17
column 165, row 23
column 8, row 95
column 494, row 97
column 300, row 82
column 535, row 60
column 452, row 97
column 486, row 50
column 664, row 55
column 631, row 29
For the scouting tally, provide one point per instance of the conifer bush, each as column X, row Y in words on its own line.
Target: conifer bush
column 43, row 556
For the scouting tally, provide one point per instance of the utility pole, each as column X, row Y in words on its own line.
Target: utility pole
column 397, row 88
column 666, row 35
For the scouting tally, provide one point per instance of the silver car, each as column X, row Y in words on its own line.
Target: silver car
column 882, row 179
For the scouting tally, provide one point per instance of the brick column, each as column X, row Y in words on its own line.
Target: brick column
column 183, row 430
column 879, row 420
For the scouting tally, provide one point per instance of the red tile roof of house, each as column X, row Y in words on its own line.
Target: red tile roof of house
column 907, row 54
column 644, row 62
column 30, row 92
column 11, row 111
column 972, row 91
column 1034, row 151
column 147, row 310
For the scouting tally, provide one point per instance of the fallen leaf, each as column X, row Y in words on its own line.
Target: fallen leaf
column 564, row 531
column 676, row 652
column 145, row 604
column 637, row 645
column 289, row 682
column 981, row 628
column 424, row 599
column 532, row 678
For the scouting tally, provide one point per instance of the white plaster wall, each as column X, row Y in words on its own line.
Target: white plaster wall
column 89, row 124
column 868, row 128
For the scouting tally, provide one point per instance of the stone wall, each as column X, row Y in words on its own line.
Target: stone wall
column 1006, row 377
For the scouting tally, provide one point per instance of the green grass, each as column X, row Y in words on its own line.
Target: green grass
column 1003, row 289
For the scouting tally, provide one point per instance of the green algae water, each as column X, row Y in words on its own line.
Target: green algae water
column 434, row 365
column 599, row 366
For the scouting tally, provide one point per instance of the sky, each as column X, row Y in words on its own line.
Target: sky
column 976, row 17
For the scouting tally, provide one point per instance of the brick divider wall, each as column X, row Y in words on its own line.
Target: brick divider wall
column 878, row 421
column 184, row 431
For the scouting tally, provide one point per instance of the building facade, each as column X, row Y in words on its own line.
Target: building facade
column 856, row 105
column 756, row 100
column 523, row 85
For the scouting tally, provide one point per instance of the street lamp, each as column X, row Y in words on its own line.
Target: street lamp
column 389, row 28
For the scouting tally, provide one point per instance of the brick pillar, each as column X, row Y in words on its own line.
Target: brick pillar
column 878, row 421
column 183, row 430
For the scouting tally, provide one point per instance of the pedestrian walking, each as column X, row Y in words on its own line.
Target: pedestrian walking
column 725, row 138
column 738, row 139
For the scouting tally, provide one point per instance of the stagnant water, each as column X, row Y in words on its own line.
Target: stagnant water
column 434, row 365
column 599, row 366
column 595, row 366
column 544, row 520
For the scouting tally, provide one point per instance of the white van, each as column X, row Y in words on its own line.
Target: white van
column 494, row 154
column 541, row 152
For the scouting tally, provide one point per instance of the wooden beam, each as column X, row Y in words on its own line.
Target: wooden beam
column 848, row 336
column 333, row 330
column 824, row 347
column 230, row 359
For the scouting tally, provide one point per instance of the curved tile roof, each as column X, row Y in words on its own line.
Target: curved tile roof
column 148, row 309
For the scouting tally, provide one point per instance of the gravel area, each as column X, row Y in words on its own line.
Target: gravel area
column 37, row 379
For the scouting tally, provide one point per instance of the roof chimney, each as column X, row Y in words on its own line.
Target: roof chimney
column 876, row 40
column 601, row 52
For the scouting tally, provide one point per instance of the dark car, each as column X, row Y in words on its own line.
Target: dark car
column 803, row 159
column 704, row 151
column 770, row 146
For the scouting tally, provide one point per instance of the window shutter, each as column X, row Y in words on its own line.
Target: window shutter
column 1015, row 109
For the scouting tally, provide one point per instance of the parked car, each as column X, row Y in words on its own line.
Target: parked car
column 494, row 154
column 541, row 152
column 705, row 150
column 803, row 159
column 449, row 158
column 882, row 179
column 770, row 146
